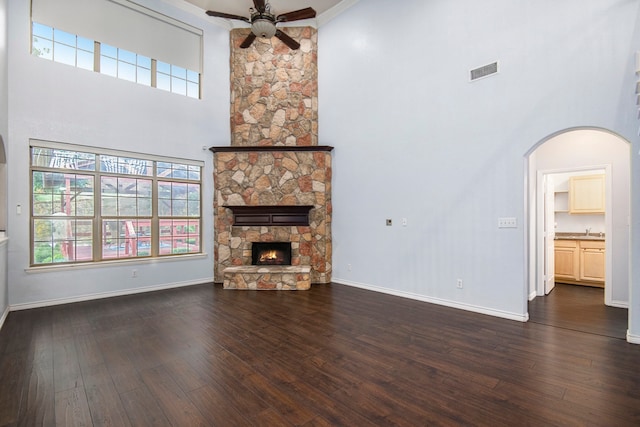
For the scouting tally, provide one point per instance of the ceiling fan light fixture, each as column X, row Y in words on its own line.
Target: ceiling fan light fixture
column 264, row 28
column 263, row 22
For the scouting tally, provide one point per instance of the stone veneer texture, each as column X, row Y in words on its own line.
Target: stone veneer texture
column 274, row 102
column 274, row 178
column 274, row 90
column 285, row 278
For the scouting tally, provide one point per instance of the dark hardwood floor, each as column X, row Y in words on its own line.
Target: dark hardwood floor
column 330, row 356
column 580, row 308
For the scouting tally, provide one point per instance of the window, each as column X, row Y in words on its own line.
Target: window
column 62, row 47
column 65, row 48
column 125, row 65
column 90, row 206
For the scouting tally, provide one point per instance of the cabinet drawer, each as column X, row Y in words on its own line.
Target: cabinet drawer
column 566, row 243
column 591, row 244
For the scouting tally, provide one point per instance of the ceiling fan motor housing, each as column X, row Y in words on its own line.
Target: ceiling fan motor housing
column 263, row 25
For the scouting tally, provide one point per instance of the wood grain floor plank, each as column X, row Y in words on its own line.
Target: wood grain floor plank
column 115, row 349
column 102, row 397
column 66, row 369
column 88, row 351
column 13, row 368
column 229, row 382
column 143, row 409
column 291, row 406
column 175, row 404
column 333, row 355
column 72, row 408
column 37, row 402
column 216, row 406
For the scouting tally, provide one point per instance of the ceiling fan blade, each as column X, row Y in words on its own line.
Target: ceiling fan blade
column 260, row 5
column 287, row 40
column 296, row 15
column 227, row 16
column 247, row 42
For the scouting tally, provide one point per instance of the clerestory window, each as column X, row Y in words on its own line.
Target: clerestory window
column 66, row 48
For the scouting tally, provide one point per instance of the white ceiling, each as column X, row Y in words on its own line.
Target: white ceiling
column 325, row 9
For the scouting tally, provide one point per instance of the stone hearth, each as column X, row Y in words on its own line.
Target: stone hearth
column 260, row 277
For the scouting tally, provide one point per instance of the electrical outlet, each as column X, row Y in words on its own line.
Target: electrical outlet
column 404, row 222
column 134, row 273
column 459, row 283
column 349, row 267
column 507, row 222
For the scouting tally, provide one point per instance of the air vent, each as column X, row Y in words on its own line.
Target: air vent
column 484, row 71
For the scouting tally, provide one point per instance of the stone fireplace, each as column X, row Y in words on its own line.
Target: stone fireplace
column 272, row 194
column 273, row 183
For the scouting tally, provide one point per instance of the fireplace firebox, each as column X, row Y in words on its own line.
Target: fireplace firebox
column 271, row 253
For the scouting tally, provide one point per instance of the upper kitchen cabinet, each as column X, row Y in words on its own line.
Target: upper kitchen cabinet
column 586, row 194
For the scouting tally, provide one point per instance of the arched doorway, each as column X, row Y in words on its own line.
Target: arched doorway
column 581, row 151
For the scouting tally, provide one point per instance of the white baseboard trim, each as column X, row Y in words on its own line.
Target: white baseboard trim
column 439, row 301
column 633, row 339
column 4, row 316
column 619, row 304
column 533, row 295
column 101, row 295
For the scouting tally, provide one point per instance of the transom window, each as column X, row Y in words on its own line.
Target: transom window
column 90, row 206
column 65, row 48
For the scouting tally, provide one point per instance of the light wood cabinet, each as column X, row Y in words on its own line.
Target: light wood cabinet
column 580, row 262
column 566, row 260
column 587, row 194
column 592, row 261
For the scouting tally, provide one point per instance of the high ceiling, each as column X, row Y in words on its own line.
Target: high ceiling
column 325, row 9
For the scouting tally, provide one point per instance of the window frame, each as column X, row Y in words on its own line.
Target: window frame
column 192, row 80
column 98, row 219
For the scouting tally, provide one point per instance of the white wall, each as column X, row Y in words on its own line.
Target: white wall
column 584, row 148
column 4, row 101
column 4, row 288
column 415, row 139
column 51, row 101
column 3, row 73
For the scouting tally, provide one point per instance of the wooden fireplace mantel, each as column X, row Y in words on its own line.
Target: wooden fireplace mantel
column 270, row 215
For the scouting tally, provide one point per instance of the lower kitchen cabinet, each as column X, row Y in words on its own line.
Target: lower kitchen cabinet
column 580, row 262
column 592, row 261
column 567, row 260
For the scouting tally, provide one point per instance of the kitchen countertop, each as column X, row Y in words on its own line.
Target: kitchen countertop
column 579, row 236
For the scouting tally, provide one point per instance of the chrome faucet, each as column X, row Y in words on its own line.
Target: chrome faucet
column 588, row 231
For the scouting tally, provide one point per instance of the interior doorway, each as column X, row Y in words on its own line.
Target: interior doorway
column 582, row 150
column 558, row 223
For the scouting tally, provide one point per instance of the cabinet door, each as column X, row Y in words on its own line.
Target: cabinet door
column 586, row 194
column 592, row 261
column 566, row 260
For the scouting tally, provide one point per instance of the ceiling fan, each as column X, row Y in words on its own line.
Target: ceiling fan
column 263, row 22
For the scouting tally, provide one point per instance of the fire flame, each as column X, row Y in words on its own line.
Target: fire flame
column 269, row 256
